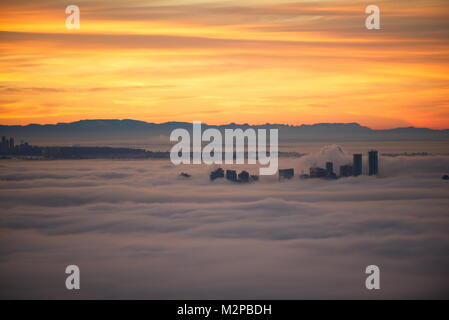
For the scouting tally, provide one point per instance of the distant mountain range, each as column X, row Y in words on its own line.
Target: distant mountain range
column 108, row 130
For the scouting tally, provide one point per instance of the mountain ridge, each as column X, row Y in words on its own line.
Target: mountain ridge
column 132, row 121
column 129, row 129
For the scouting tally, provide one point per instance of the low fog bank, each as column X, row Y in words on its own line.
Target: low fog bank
column 138, row 230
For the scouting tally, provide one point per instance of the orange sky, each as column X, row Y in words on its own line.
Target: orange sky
column 226, row 61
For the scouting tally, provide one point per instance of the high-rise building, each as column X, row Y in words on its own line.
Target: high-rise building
column 346, row 170
column 11, row 144
column 357, row 164
column 329, row 168
column 373, row 164
column 4, row 145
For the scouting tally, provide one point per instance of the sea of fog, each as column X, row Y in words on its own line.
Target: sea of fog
column 138, row 230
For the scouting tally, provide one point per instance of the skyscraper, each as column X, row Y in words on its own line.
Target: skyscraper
column 4, row 145
column 357, row 164
column 11, row 144
column 329, row 168
column 373, row 162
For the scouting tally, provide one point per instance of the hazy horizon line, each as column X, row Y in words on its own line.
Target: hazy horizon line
column 222, row 124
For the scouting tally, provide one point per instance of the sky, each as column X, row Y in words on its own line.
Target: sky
column 219, row 61
column 136, row 230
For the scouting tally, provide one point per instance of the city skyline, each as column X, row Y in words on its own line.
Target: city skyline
column 8, row 147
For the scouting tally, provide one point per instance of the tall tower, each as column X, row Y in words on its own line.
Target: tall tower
column 11, row 144
column 4, row 145
column 356, row 164
column 329, row 168
column 373, row 162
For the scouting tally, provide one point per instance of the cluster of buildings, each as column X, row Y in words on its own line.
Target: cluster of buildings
column 231, row 175
column 8, row 147
column 347, row 170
